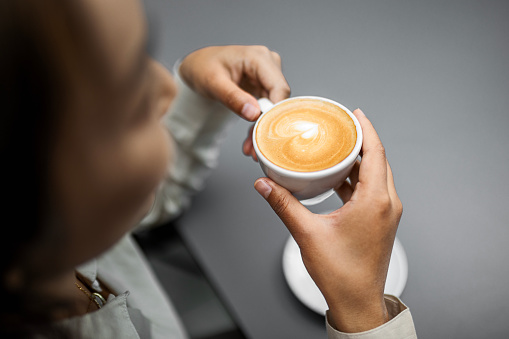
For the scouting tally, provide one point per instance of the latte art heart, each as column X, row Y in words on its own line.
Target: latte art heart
column 304, row 129
column 306, row 135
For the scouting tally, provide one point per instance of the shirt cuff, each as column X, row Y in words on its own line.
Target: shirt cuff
column 198, row 126
column 193, row 117
column 401, row 325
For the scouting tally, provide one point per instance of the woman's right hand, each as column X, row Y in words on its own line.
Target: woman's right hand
column 347, row 252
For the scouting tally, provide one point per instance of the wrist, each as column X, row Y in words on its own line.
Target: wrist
column 358, row 317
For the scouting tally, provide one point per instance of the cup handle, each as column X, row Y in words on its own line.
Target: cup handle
column 265, row 104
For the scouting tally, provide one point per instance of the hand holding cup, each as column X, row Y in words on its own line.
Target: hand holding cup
column 347, row 252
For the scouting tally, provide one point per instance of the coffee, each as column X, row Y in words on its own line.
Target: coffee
column 306, row 135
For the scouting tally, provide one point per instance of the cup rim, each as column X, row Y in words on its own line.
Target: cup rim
column 314, row 174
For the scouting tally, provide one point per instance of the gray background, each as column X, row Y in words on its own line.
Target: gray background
column 433, row 77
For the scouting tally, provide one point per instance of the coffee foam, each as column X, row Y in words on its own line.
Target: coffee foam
column 306, row 135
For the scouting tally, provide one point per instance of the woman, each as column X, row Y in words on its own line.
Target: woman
column 86, row 146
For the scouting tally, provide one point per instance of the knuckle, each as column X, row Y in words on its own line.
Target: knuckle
column 286, row 90
column 276, row 57
column 398, row 207
column 263, row 49
column 382, row 205
column 259, row 50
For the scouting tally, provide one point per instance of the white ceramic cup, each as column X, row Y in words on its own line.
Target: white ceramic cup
column 309, row 187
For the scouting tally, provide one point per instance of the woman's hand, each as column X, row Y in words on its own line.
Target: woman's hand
column 236, row 76
column 347, row 252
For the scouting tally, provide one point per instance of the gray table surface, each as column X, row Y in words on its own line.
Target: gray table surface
column 433, row 77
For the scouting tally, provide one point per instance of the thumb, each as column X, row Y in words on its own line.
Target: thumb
column 235, row 98
column 294, row 215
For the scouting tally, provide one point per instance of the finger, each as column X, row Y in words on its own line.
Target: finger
column 248, row 149
column 294, row 215
column 248, row 143
column 390, row 182
column 253, row 155
column 247, row 146
column 373, row 169
column 277, row 58
column 354, row 174
column 345, row 192
column 235, row 98
column 251, row 86
column 396, row 202
column 268, row 72
column 264, row 93
column 277, row 88
column 252, row 150
column 282, row 91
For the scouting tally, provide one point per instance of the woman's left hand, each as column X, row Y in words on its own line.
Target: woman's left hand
column 236, row 76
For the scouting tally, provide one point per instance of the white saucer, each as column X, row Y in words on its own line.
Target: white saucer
column 305, row 288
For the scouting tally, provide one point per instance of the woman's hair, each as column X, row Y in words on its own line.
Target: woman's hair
column 35, row 45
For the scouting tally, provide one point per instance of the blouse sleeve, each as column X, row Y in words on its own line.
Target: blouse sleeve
column 197, row 126
column 401, row 325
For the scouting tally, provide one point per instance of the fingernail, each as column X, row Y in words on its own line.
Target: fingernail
column 360, row 111
column 263, row 188
column 250, row 112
